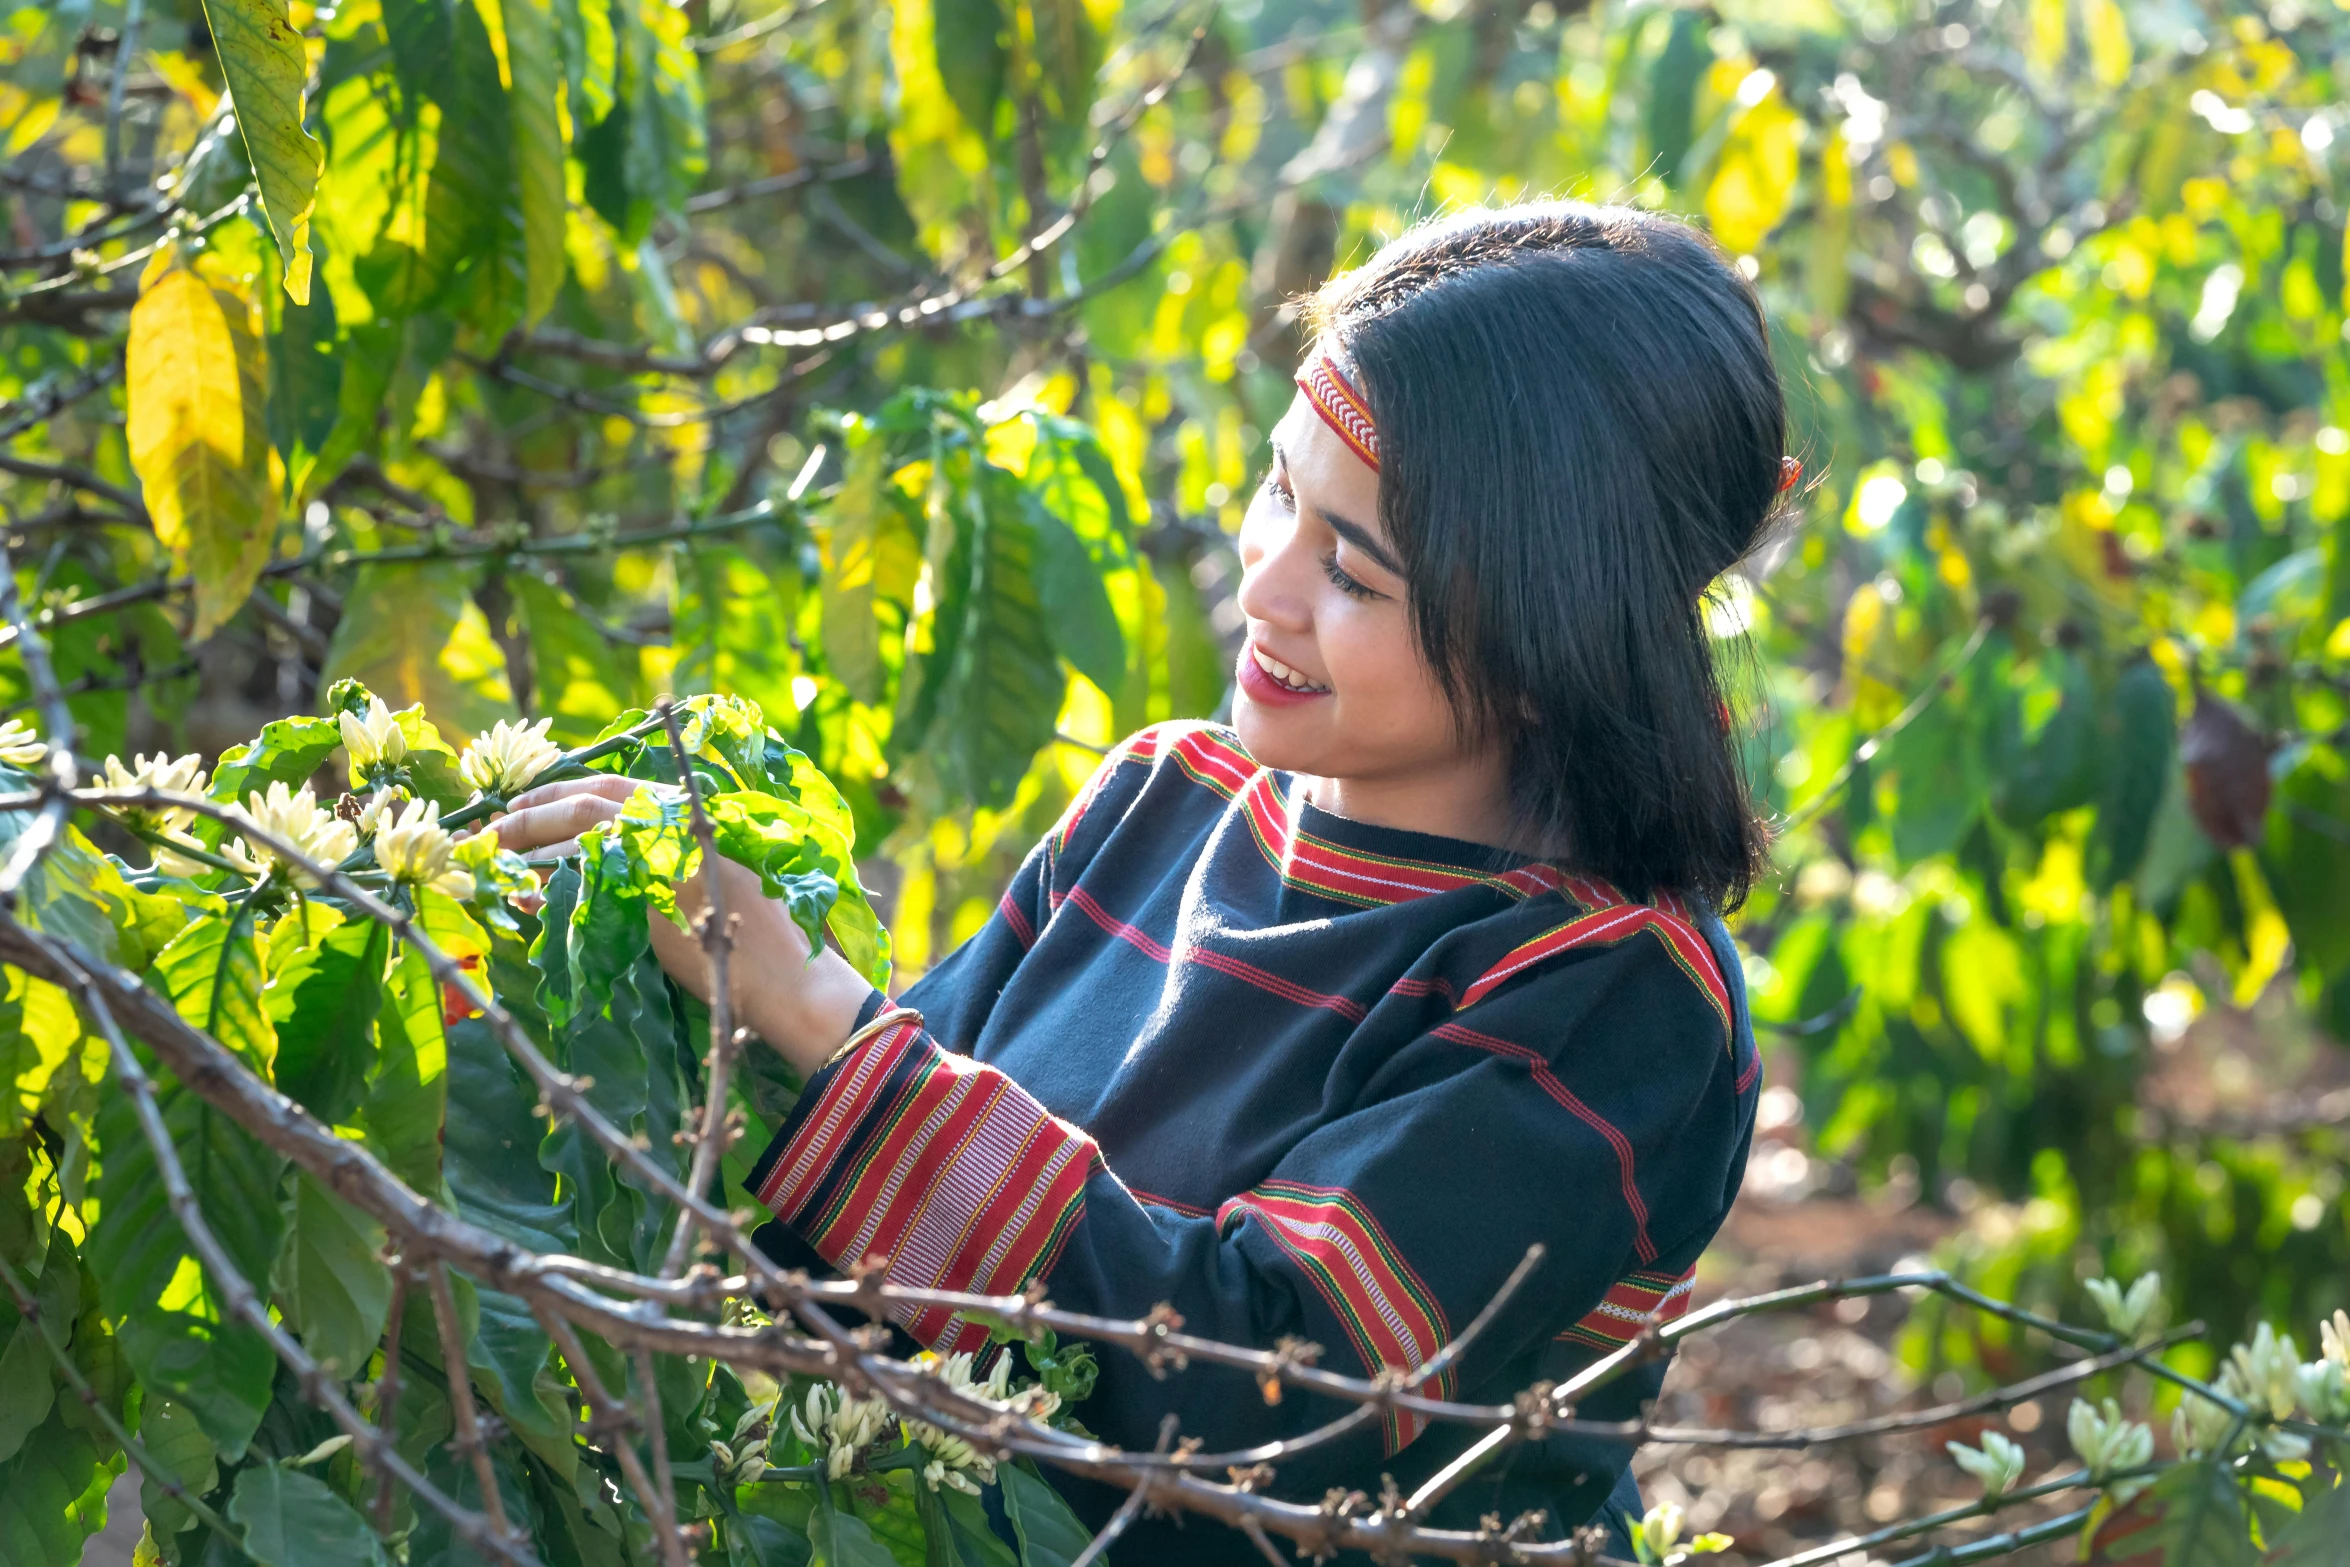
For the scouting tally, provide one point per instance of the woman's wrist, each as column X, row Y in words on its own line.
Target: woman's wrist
column 809, row 1018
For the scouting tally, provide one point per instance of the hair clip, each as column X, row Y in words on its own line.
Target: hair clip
column 1790, row 470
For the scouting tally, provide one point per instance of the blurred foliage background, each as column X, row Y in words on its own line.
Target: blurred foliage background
column 753, row 347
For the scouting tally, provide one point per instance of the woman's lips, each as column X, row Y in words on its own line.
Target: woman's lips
column 1262, row 687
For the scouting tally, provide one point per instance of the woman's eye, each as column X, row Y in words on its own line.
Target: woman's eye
column 1344, row 583
column 1278, row 488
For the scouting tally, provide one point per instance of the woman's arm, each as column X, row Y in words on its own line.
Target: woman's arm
column 1598, row 1108
column 804, row 1010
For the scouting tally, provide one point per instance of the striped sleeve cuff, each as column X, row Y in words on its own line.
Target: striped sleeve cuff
column 939, row 1166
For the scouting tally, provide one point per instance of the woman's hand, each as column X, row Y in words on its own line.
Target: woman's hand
column 805, row 1010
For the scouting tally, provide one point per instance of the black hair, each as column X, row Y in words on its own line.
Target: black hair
column 1580, row 429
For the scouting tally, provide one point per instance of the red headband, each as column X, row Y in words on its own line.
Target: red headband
column 1324, row 380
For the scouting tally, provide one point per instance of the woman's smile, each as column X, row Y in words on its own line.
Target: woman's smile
column 1266, row 679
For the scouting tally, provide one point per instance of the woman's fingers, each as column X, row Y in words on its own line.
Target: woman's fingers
column 609, row 786
column 557, row 820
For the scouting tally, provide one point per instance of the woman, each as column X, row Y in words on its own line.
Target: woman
column 1310, row 1027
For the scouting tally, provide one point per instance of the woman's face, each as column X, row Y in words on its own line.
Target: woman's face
column 1331, row 681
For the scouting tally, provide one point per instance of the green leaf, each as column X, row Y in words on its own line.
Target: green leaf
column 858, row 567
column 580, row 680
column 415, row 635
column 407, row 1094
column 340, row 1287
column 197, row 434
column 2202, row 1520
column 287, row 751
column 1672, row 92
column 292, row 1519
column 2138, row 749
column 261, row 56
column 842, row 1539
column 974, row 1536
column 667, row 148
column 2316, row 1536
column 40, row 1036
column 175, row 1439
column 171, row 1317
column 53, row 1497
column 1049, row 1533
column 305, row 376
column 734, row 627
column 28, row 1369
column 324, row 1003
column 215, row 973
column 969, row 38
column 1076, row 606
column 534, row 102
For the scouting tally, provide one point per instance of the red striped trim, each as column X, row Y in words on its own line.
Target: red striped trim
column 1611, row 919
column 1319, row 865
column 1746, row 1079
column 1188, row 1210
column 1222, row 962
column 967, row 1183
column 1214, row 761
column 1341, row 405
column 1017, row 917
column 1388, row 1311
column 1565, row 1097
column 1410, row 985
column 1635, row 1302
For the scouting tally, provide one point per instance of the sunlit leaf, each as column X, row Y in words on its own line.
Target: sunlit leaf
column 197, row 436
column 260, row 53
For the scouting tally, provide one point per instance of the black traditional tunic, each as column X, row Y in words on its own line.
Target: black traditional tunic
column 1296, row 1076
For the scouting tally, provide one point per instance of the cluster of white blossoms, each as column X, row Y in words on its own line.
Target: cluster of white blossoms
column 2106, row 1442
column 2134, row 1313
column 19, row 746
column 839, row 1427
column 505, row 758
column 295, row 816
column 843, row 1428
column 165, row 774
column 412, row 846
column 374, row 742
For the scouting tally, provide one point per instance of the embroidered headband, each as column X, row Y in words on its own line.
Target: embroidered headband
column 1327, row 381
column 1330, row 385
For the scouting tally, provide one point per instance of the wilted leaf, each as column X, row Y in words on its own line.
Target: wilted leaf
column 2228, row 782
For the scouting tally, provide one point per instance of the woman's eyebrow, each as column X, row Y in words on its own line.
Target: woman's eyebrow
column 1351, row 531
column 1362, row 539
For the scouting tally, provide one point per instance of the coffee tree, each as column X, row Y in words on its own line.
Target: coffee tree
column 556, row 357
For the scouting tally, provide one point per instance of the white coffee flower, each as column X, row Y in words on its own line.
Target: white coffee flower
column 294, row 816
column 2266, row 1371
column 374, row 742
column 2130, row 1314
column 505, row 758
column 840, row 1428
column 2324, row 1383
column 381, row 809
column 1998, row 1463
column 19, row 746
column 181, row 775
column 413, row 848
column 2106, row 1442
column 2198, row 1424
column 953, row 1461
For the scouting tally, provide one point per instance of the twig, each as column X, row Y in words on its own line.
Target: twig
column 470, row 1440
column 716, row 928
column 617, row 1416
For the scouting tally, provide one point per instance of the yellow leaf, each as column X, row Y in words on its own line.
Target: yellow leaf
column 534, row 100
column 1756, row 173
column 2109, row 41
column 196, row 437
column 261, row 57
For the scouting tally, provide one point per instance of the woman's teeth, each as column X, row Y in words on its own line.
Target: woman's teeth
column 1282, row 672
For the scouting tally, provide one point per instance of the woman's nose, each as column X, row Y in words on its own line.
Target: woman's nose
column 1269, row 583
